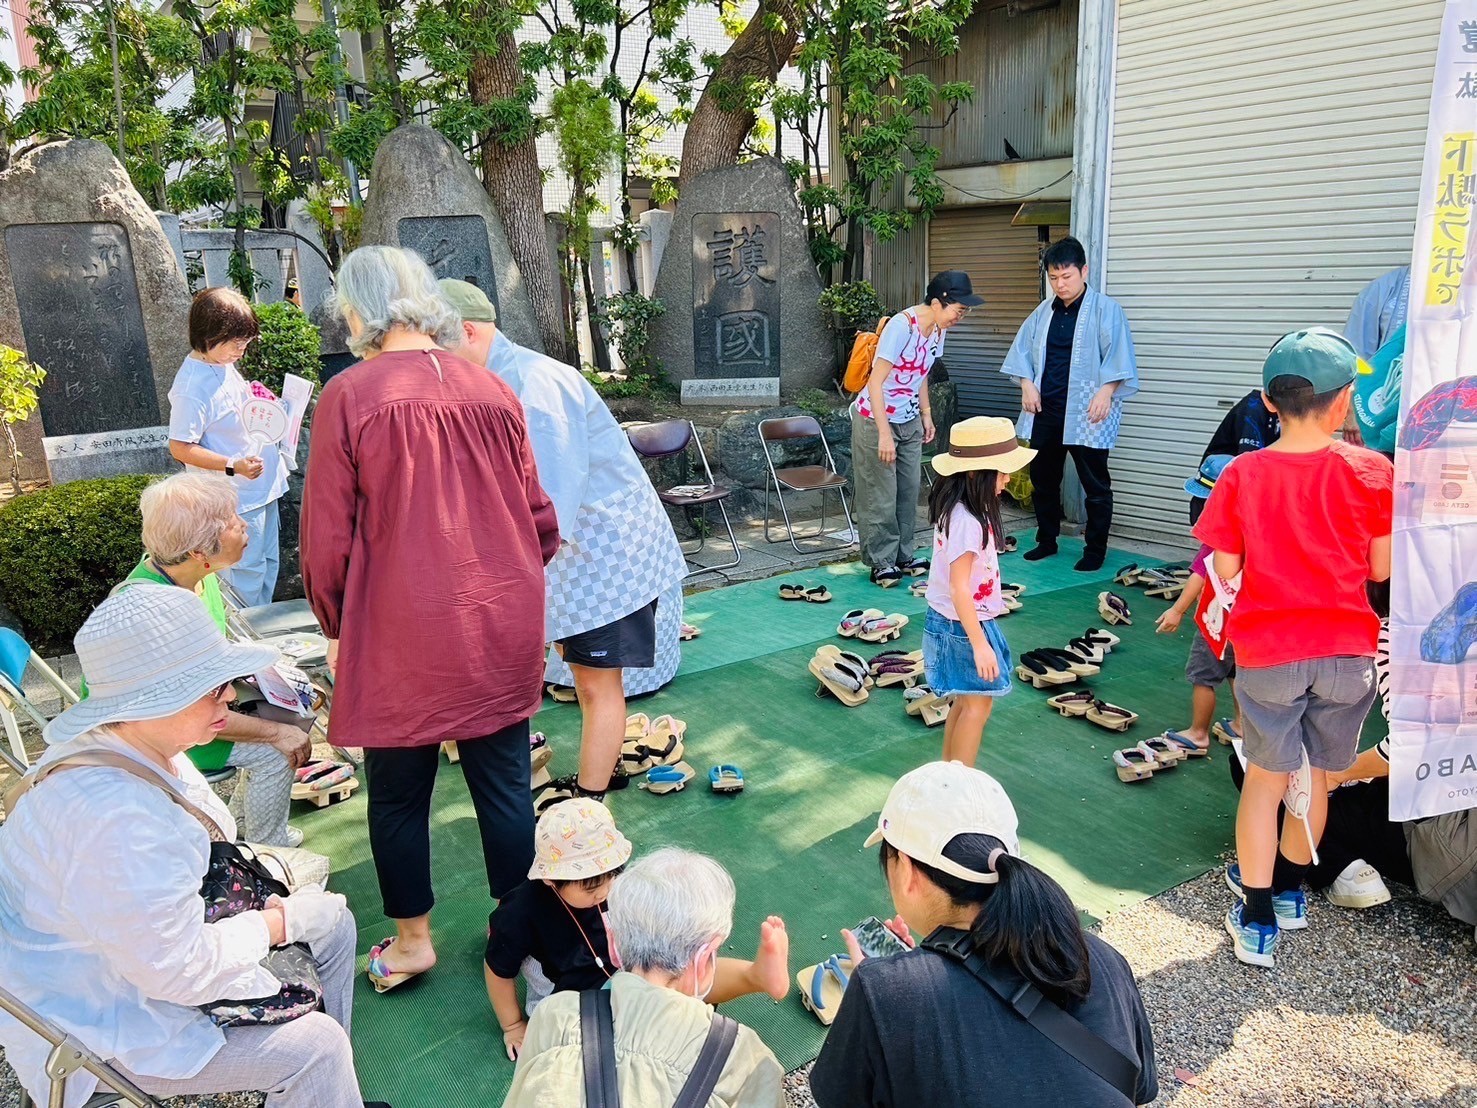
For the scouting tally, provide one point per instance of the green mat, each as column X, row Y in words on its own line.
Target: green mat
column 817, row 775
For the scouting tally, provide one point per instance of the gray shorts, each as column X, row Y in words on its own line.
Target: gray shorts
column 1319, row 704
column 1204, row 668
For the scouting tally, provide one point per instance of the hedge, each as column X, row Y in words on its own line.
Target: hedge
column 288, row 343
column 62, row 549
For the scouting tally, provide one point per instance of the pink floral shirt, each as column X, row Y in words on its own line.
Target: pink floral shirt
column 912, row 356
column 966, row 536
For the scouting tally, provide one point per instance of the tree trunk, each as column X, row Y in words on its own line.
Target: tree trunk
column 721, row 122
column 598, row 347
column 392, row 63
column 510, row 174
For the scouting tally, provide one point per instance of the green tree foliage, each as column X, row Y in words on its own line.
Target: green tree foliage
column 288, row 343
column 19, row 380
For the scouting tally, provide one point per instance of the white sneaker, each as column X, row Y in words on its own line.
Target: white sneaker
column 295, row 838
column 1359, row 886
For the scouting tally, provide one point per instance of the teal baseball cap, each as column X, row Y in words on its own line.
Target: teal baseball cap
column 1320, row 356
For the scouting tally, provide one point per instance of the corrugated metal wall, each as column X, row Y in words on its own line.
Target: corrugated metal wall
column 1024, row 71
column 1266, row 163
column 1002, row 262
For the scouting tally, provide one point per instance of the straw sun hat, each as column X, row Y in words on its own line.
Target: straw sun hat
column 983, row 442
column 147, row 652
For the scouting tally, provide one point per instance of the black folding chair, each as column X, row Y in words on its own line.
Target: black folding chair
column 672, row 438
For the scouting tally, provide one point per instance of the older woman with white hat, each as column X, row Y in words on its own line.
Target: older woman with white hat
column 102, row 924
column 946, row 1023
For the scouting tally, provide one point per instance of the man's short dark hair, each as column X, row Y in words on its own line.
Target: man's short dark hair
column 1064, row 252
column 1294, row 398
column 219, row 315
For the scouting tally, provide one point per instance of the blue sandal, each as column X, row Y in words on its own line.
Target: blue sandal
column 822, row 986
column 1191, row 749
column 1225, row 731
column 726, row 779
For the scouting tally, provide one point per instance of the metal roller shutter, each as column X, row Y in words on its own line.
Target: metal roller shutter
column 1001, row 261
column 1266, row 159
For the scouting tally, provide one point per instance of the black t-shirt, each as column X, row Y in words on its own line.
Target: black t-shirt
column 1249, row 425
column 532, row 922
column 1056, row 369
column 918, row 1029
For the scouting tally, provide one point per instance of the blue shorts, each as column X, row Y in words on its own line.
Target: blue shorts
column 948, row 658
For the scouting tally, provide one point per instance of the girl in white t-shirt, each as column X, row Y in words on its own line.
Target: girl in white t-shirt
column 964, row 653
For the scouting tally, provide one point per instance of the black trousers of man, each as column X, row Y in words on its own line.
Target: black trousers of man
column 1046, row 484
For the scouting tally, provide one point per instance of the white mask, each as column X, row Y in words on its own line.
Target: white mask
column 697, row 976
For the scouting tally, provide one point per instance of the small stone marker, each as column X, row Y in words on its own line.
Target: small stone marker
column 731, row 392
column 78, row 457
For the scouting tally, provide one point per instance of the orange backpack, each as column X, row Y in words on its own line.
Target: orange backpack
column 863, row 353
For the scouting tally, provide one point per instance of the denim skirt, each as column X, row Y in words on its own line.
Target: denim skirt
column 948, row 658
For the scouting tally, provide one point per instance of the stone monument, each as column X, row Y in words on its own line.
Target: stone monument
column 424, row 196
column 742, row 319
column 90, row 290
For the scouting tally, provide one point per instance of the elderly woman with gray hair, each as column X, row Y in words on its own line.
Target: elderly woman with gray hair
column 192, row 530
column 424, row 537
column 670, row 914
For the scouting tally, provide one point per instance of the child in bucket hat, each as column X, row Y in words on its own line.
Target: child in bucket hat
column 552, row 928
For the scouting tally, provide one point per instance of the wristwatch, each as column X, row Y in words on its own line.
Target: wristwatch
column 230, row 470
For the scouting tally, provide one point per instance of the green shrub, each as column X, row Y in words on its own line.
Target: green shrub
column 62, row 549
column 853, row 306
column 289, row 343
column 639, row 385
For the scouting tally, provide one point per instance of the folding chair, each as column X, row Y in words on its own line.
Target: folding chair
column 16, row 656
column 812, row 478
column 668, row 439
column 68, row 1056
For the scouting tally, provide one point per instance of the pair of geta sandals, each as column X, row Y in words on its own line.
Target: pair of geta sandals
column 872, row 625
column 1085, row 705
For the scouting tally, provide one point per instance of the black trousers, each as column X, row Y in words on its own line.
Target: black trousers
column 1359, row 826
column 1046, row 483
column 400, row 784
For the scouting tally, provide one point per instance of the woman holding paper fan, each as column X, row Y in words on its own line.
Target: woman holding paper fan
column 207, row 431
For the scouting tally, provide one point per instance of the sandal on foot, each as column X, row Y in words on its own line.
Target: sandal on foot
column 822, row 986
column 1042, row 672
column 840, row 682
column 1187, row 744
column 1111, row 716
column 661, row 780
column 1113, row 608
column 1164, row 752
column 726, row 779
column 1225, row 732
column 382, row 979
column 1133, row 765
column 853, row 621
column 1072, row 704
column 883, row 629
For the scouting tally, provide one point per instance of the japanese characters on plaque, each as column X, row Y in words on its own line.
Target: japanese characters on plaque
column 736, row 294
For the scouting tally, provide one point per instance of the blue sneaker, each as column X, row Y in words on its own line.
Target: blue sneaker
column 1291, row 907
column 1252, row 943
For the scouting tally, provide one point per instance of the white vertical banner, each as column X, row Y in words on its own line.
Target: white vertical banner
column 1433, row 616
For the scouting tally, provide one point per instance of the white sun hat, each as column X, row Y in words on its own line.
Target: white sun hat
column 147, row 652
column 931, row 805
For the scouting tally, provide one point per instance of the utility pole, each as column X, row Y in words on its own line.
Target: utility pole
column 340, row 97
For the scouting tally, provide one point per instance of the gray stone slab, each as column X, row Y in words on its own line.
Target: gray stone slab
column 730, row 200
column 454, row 246
column 113, row 256
column 109, row 453
column 418, row 175
column 731, row 392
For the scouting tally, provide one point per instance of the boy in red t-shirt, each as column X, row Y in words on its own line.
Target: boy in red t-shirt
column 1306, row 521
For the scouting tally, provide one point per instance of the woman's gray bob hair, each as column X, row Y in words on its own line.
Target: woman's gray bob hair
column 386, row 286
column 666, row 907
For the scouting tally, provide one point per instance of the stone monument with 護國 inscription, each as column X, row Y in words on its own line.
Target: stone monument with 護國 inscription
column 426, row 198
column 742, row 318
column 91, row 291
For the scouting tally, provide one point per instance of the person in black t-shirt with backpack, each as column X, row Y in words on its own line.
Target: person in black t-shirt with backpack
column 936, row 1025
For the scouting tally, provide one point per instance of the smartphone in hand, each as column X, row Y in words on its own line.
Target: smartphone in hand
column 876, row 939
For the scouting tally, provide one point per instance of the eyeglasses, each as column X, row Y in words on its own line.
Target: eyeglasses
column 219, row 692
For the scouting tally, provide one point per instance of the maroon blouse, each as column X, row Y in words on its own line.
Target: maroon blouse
column 424, row 538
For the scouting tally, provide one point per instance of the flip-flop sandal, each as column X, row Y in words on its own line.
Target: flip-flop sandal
column 726, row 779
column 918, row 589
column 1128, row 575
column 1113, row 608
column 906, row 674
column 638, row 725
column 883, row 629
column 1169, row 589
column 383, row 980
column 1009, row 545
column 686, row 633
column 325, row 775
column 665, row 725
column 1008, row 588
column 1111, row 716
column 635, row 758
column 1072, row 704
column 921, row 701
column 1105, row 639
column 853, row 621
column 848, row 662
column 822, row 986
column 540, row 753
column 1133, row 765
column 843, row 685
column 1011, row 603
column 668, row 754
column 1186, row 745
column 1093, row 652
column 1042, row 672
column 884, row 656
column 792, row 592
column 1177, row 569
column 1072, row 661
column 1225, row 732
column 549, row 797
column 1166, row 753
column 816, row 594
column 314, row 769
column 562, row 694
column 661, row 780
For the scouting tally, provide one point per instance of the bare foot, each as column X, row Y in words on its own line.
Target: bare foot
column 772, row 960
column 401, row 956
column 1201, row 739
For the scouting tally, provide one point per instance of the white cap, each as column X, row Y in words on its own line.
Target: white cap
column 933, row 804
